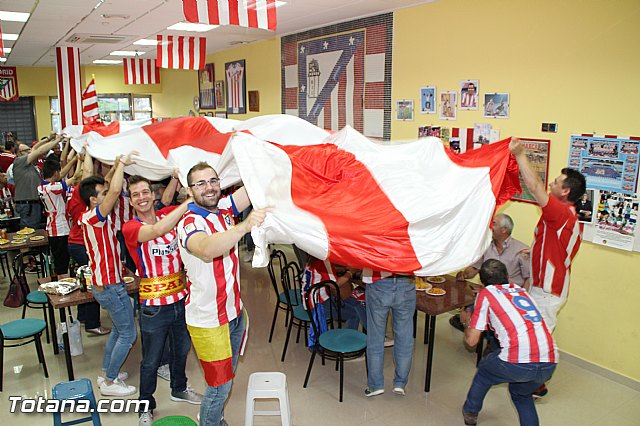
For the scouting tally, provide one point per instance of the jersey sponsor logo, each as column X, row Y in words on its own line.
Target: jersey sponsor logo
column 163, row 249
column 189, row 228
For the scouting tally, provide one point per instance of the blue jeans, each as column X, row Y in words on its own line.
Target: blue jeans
column 30, row 214
column 87, row 312
column 354, row 313
column 157, row 325
column 212, row 407
column 397, row 295
column 115, row 300
column 523, row 379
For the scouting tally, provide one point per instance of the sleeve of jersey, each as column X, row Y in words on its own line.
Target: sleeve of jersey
column 481, row 312
column 93, row 218
column 555, row 213
column 166, row 210
column 189, row 226
column 228, row 203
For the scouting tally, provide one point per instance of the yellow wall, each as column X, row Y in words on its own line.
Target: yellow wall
column 575, row 67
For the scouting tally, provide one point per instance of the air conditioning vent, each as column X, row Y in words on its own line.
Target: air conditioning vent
column 96, row 39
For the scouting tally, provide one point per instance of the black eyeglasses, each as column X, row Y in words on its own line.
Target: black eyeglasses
column 201, row 184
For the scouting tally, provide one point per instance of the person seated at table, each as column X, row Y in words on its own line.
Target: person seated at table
column 527, row 356
column 109, row 288
column 508, row 250
column 53, row 191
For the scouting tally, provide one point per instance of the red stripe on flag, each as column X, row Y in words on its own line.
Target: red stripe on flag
column 126, row 71
column 455, row 132
column 291, row 98
column 469, row 139
column 177, row 132
column 233, row 12
column 157, row 75
column 73, row 83
column 216, row 373
column 1, row 42
column 203, row 52
column 252, row 14
column 180, row 52
column 373, row 35
column 170, row 51
column 312, row 193
column 192, row 53
column 159, row 54
column 214, row 14
column 327, row 114
column 272, row 21
column 290, row 54
column 190, row 10
column 374, row 102
column 112, row 128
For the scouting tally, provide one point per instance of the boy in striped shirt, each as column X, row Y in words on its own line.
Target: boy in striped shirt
column 528, row 355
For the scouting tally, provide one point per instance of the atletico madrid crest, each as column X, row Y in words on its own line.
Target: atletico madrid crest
column 227, row 219
column 8, row 84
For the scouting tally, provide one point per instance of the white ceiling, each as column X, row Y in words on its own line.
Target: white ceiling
column 54, row 21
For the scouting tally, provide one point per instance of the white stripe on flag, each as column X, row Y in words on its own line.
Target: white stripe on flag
column 203, row 10
column 223, row 12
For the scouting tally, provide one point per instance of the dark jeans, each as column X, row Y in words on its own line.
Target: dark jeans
column 30, row 214
column 157, row 323
column 523, row 379
column 60, row 252
column 87, row 312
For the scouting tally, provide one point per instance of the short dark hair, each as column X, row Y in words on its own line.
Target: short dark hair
column 202, row 165
column 493, row 272
column 9, row 145
column 87, row 188
column 576, row 183
column 136, row 179
column 49, row 168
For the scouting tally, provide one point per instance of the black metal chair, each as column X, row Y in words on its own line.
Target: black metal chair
column 332, row 341
column 277, row 263
column 298, row 315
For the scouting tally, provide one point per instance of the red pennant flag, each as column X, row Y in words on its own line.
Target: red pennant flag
column 249, row 13
column 90, row 113
column 181, row 53
column 141, row 71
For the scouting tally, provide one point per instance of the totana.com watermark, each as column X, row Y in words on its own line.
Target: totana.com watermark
column 43, row 405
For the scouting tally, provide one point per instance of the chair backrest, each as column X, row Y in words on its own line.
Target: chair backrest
column 19, row 266
column 279, row 260
column 321, row 318
column 292, row 283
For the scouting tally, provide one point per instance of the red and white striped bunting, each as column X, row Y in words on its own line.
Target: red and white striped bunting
column 183, row 53
column 68, row 76
column 90, row 113
column 244, row 13
column 141, row 71
column 1, row 42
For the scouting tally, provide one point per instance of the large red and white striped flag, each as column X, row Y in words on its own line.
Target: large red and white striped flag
column 1, row 42
column 409, row 207
column 245, row 13
column 98, row 130
column 179, row 52
column 69, row 90
column 90, row 112
column 141, row 71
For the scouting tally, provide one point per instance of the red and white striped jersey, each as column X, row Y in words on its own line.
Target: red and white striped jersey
column 155, row 258
column 512, row 314
column 6, row 159
column 214, row 287
column 75, row 209
column 102, row 247
column 123, row 212
column 370, row 276
column 54, row 196
column 319, row 270
column 557, row 240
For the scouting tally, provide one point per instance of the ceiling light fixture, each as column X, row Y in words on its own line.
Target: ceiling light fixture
column 7, row 50
column 3, row 59
column 98, row 5
column 14, row 16
column 126, row 53
column 9, row 36
column 146, row 42
column 189, row 26
column 107, row 61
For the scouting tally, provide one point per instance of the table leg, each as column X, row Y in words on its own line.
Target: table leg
column 426, row 329
column 432, row 332
column 52, row 325
column 415, row 323
column 67, row 346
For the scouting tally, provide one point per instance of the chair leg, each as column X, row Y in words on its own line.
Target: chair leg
column 313, row 356
column 24, row 309
column 41, row 354
column 341, row 358
column 273, row 323
column 2, row 265
column 286, row 342
column 1, row 362
column 298, row 335
column 46, row 321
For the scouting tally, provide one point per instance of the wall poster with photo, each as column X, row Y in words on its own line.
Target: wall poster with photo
column 428, row 100
column 617, row 219
column 404, row 109
column 205, row 85
column 496, row 105
column 469, row 95
column 219, row 89
column 448, row 105
column 236, row 78
column 221, row 114
column 538, row 154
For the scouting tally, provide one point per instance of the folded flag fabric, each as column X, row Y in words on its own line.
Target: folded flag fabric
column 90, row 112
column 406, row 207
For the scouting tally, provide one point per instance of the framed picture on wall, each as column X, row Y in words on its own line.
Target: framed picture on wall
column 448, row 105
column 219, row 89
column 404, row 109
column 205, row 84
column 235, row 74
column 221, row 114
column 428, row 100
column 254, row 101
column 538, row 153
column 496, row 105
column 469, row 95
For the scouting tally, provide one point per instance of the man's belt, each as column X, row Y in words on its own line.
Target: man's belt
column 26, row 201
column 158, row 287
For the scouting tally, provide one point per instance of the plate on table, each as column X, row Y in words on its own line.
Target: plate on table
column 128, row 280
column 37, row 238
column 422, row 285
column 437, row 279
column 19, row 241
column 26, row 231
column 4, row 241
column 67, row 280
column 436, row 291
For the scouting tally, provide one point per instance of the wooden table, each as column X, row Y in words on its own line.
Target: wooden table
column 74, row 298
column 459, row 294
column 28, row 243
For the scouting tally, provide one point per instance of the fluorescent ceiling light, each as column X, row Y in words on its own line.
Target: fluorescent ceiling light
column 3, row 59
column 14, row 16
column 107, row 61
column 7, row 50
column 146, row 42
column 8, row 36
column 126, row 53
column 188, row 26
column 278, row 4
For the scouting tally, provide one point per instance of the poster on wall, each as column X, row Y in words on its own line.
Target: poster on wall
column 448, row 105
column 617, row 220
column 469, row 95
column 404, row 110
column 9, row 84
column 609, row 164
column 496, row 105
column 236, row 79
column 428, row 100
column 538, row 154
column 219, row 89
column 584, row 207
column 205, row 84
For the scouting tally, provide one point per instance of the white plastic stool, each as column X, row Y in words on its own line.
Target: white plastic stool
column 268, row 385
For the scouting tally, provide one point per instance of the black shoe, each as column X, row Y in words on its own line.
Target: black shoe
column 470, row 418
column 540, row 392
column 456, row 323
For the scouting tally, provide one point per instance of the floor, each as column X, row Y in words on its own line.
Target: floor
column 576, row 396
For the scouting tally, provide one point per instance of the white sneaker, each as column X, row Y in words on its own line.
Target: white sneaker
column 399, row 391
column 388, row 342
column 145, row 419
column 117, row 388
column 123, row 375
column 164, row 372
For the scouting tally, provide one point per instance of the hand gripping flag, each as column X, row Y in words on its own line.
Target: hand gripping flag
column 90, row 113
column 245, row 13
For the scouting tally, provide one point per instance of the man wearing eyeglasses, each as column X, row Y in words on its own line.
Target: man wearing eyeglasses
column 208, row 242
column 27, row 181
